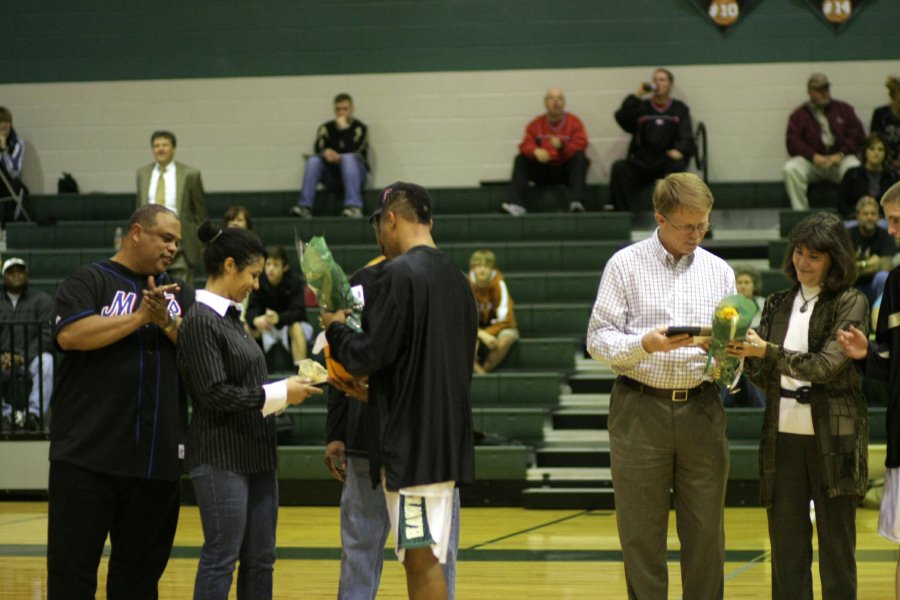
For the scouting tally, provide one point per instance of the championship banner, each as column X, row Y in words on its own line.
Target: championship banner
column 836, row 12
column 725, row 13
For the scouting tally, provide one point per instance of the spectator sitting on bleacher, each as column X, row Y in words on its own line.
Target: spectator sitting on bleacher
column 870, row 180
column 340, row 161
column 745, row 394
column 749, row 284
column 26, row 319
column 662, row 139
column 12, row 151
column 886, row 121
column 237, row 216
column 551, row 152
column 497, row 328
column 823, row 137
column 875, row 250
column 179, row 188
column 276, row 313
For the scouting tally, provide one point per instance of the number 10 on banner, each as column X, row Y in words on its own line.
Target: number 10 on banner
column 837, row 11
column 724, row 12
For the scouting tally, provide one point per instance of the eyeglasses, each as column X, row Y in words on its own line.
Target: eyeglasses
column 702, row 228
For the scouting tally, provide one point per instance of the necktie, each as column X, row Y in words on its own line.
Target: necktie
column 160, row 197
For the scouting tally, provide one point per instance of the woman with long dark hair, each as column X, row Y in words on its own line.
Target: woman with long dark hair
column 231, row 446
column 815, row 431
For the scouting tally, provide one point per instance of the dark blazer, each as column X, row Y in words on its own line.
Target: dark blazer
column 839, row 413
column 189, row 199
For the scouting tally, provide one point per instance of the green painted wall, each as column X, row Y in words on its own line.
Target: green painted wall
column 102, row 40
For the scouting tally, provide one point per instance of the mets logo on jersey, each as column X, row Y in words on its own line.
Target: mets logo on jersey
column 123, row 303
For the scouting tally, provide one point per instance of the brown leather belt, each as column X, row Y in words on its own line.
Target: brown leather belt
column 682, row 395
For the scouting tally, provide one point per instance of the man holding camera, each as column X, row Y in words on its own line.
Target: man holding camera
column 662, row 139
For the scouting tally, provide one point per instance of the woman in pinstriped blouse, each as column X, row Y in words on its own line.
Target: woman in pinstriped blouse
column 231, row 446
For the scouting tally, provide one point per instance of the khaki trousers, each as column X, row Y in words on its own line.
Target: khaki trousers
column 658, row 445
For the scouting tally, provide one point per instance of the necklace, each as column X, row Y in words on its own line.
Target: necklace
column 805, row 306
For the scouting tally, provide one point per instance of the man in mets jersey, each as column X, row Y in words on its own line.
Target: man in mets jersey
column 119, row 415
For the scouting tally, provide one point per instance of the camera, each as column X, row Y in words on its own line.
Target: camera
column 649, row 87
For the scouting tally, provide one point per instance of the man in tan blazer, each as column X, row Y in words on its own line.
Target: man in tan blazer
column 180, row 188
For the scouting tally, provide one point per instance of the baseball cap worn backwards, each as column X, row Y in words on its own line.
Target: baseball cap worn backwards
column 416, row 195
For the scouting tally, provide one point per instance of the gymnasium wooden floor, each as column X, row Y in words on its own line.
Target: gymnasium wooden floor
column 504, row 553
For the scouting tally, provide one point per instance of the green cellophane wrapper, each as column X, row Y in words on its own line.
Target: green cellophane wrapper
column 327, row 280
column 731, row 321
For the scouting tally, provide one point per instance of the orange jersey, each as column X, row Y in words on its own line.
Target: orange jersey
column 495, row 305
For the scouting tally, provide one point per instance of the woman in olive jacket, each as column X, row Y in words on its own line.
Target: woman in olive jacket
column 815, row 431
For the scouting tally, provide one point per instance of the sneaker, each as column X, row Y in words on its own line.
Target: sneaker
column 516, row 210
column 301, row 211
column 608, row 207
column 353, row 212
column 32, row 423
column 576, row 207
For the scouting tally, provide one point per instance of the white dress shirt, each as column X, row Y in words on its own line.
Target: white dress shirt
column 171, row 191
column 643, row 288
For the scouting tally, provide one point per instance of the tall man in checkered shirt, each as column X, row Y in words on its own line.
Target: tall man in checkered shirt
column 666, row 424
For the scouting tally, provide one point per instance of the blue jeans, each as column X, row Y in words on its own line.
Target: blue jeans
column 364, row 530
column 40, row 370
column 350, row 174
column 239, row 513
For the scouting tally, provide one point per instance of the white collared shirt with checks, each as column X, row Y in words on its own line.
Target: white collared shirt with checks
column 643, row 288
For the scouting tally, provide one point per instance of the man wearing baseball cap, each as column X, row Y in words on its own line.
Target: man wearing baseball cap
column 417, row 348
column 824, row 137
column 25, row 343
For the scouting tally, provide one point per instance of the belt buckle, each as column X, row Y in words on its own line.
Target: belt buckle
column 680, row 395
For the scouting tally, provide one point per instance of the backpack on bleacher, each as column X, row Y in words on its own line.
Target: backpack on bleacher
column 66, row 184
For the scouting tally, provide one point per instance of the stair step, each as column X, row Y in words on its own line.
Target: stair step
column 570, row 498
column 567, row 438
column 577, row 401
column 596, row 456
column 590, row 419
column 590, row 383
column 559, row 476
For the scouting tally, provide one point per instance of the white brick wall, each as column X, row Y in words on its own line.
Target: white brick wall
column 438, row 129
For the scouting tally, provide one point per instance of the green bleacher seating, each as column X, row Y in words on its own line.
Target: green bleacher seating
column 777, row 248
column 512, row 422
column 502, row 389
column 788, row 219
column 568, row 286
column 491, row 463
column 548, row 354
column 553, row 319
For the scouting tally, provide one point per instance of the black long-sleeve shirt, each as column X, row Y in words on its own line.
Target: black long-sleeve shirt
column 286, row 299
column 224, row 370
column 882, row 362
column 348, row 419
column 656, row 129
column 355, row 139
column 417, row 347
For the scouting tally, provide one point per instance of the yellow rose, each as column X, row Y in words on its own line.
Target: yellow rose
column 728, row 313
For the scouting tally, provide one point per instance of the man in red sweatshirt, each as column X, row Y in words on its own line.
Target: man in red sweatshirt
column 552, row 152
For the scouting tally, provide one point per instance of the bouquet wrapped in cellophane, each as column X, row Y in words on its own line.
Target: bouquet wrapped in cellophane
column 731, row 321
column 328, row 281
